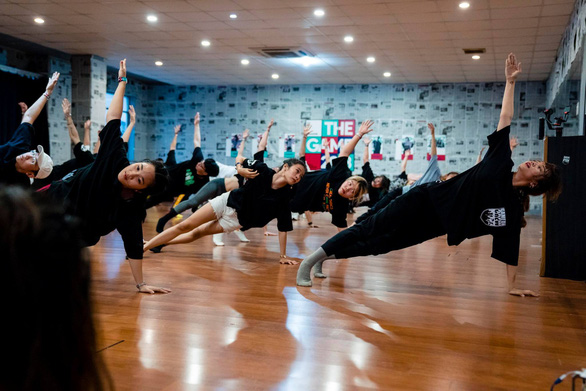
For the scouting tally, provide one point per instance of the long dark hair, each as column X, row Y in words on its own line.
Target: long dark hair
column 549, row 185
column 48, row 321
column 161, row 178
column 291, row 162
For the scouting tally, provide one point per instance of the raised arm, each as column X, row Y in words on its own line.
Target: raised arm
column 479, row 158
column 365, row 128
column 116, row 106
column 33, row 112
column 433, row 142
column 196, row 132
column 366, row 157
column 512, row 71
column 262, row 145
column 98, row 143
column 73, row 133
column 245, row 136
column 306, row 133
column 405, row 160
column 177, row 129
column 131, row 123
column 87, row 128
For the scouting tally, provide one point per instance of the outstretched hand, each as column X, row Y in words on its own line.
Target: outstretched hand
column 431, row 128
column 132, row 113
column 522, row 292
column 288, row 261
column 365, row 128
column 196, row 119
column 246, row 134
column 153, row 289
column 512, row 68
column 367, row 141
column 513, row 143
column 271, row 124
column 177, row 129
column 306, row 130
column 87, row 124
column 66, row 106
column 52, row 82
column 122, row 69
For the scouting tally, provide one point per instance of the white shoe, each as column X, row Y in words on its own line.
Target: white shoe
column 294, row 216
column 241, row 236
column 217, row 239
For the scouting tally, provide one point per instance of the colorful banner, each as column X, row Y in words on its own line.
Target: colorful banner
column 336, row 133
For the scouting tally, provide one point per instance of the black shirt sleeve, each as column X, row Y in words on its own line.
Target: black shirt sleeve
column 171, row 161
column 403, row 175
column 505, row 247
column 367, row 172
column 197, row 155
column 111, row 142
column 260, row 156
column 130, row 228
column 339, row 217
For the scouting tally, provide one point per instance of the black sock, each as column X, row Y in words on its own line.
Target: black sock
column 163, row 220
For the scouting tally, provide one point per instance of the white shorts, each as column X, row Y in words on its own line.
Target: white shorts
column 226, row 215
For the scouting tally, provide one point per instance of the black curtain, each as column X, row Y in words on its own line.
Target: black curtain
column 14, row 89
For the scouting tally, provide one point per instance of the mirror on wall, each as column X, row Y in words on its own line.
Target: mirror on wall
column 563, row 115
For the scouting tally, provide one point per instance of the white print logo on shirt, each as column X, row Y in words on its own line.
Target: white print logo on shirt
column 494, row 217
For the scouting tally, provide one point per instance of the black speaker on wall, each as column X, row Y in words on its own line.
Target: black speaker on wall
column 564, row 233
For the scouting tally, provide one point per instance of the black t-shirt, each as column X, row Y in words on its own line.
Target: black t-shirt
column 482, row 201
column 257, row 203
column 94, row 194
column 374, row 194
column 184, row 178
column 318, row 192
column 21, row 142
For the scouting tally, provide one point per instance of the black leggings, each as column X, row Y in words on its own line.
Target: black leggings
column 406, row 221
column 211, row 190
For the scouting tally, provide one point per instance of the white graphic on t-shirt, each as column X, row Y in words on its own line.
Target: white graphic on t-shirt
column 495, row 217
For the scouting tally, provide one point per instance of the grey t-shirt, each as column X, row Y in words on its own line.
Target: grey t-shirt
column 432, row 174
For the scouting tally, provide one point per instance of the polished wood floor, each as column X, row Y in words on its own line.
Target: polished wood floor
column 431, row 317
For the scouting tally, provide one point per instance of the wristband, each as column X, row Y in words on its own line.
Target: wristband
column 46, row 95
column 283, row 256
column 124, row 79
column 141, row 284
column 238, row 163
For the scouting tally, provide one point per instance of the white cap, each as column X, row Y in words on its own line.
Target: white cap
column 45, row 163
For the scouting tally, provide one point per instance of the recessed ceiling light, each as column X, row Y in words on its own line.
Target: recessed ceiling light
column 348, row 38
column 205, row 43
column 152, row 18
column 464, row 5
column 233, row 16
column 319, row 12
column 39, row 20
column 387, row 74
column 244, row 62
column 371, row 59
column 476, row 57
column 159, row 63
column 275, row 76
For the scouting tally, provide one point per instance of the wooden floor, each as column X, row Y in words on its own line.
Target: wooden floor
column 431, row 317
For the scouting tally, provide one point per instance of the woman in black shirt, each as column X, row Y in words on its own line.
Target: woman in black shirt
column 260, row 200
column 487, row 199
column 332, row 190
column 110, row 193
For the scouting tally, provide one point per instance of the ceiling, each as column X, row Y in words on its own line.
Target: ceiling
column 417, row 41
